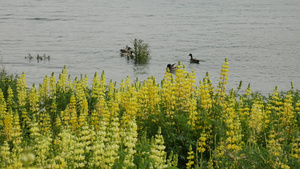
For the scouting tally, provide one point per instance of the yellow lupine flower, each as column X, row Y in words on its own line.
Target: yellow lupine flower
column 8, row 126
column 190, row 158
column 33, row 99
column 44, row 90
column 22, row 90
column 62, row 81
column 45, row 124
column 256, row 121
column 5, row 155
column 288, row 114
column 81, row 102
column 16, row 130
column 167, row 95
column 72, row 112
column 183, row 89
column 192, row 112
column 52, row 85
column 129, row 135
column 157, row 151
column 2, row 108
column 221, row 87
column 113, row 138
column 233, row 124
column 10, row 103
column 97, row 158
column 96, row 90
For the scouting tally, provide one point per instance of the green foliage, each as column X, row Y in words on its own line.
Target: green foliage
column 141, row 51
column 6, row 81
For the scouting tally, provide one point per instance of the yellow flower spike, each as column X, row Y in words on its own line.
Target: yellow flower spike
column 62, row 81
column 85, row 81
column 16, row 130
column 66, row 144
column 275, row 148
column 2, row 108
column 233, row 124
column 72, row 113
column 192, row 112
column 33, row 99
column 40, row 144
column 129, row 136
column 127, row 82
column 81, row 100
column 22, row 91
column 288, row 115
column 10, row 103
column 45, row 124
column 248, row 90
column 103, row 79
column 44, row 90
column 8, row 126
column 190, row 158
column 52, row 85
column 221, row 87
column 58, row 122
column 86, row 136
column 183, row 89
column 256, row 121
column 148, row 96
column 167, row 94
column 204, row 96
column 97, row 158
column 96, row 90
column 158, row 151
column 113, row 139
column 6, row 155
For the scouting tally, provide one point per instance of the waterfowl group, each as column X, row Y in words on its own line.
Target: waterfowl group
column 127, row 52
column 38, row 57
column 172, row 68
column 44, row 57
column 192, row 60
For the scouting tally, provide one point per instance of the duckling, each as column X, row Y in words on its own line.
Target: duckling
column 172, row 68
column 193, row 60
column 38, row 57
column 29, row 57
column 46, row 57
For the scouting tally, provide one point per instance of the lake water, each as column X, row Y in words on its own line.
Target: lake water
column 260, row 38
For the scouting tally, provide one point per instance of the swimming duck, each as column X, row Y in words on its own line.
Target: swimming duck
column 172, row 68
column 38, row 57
column 128, row 55
column 29, row 57
column 193, row 60
column 46, row 57
column 126, row 50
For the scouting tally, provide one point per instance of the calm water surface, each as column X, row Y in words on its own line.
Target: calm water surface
column 261, row 39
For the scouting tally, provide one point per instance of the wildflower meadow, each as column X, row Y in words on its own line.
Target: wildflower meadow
column 175, row 123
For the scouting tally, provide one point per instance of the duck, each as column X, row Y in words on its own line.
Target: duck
column 192, row 60
column 46, row 57
column 126, row 50
column 29, row 57
column 38, row 57
column 171, row 68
